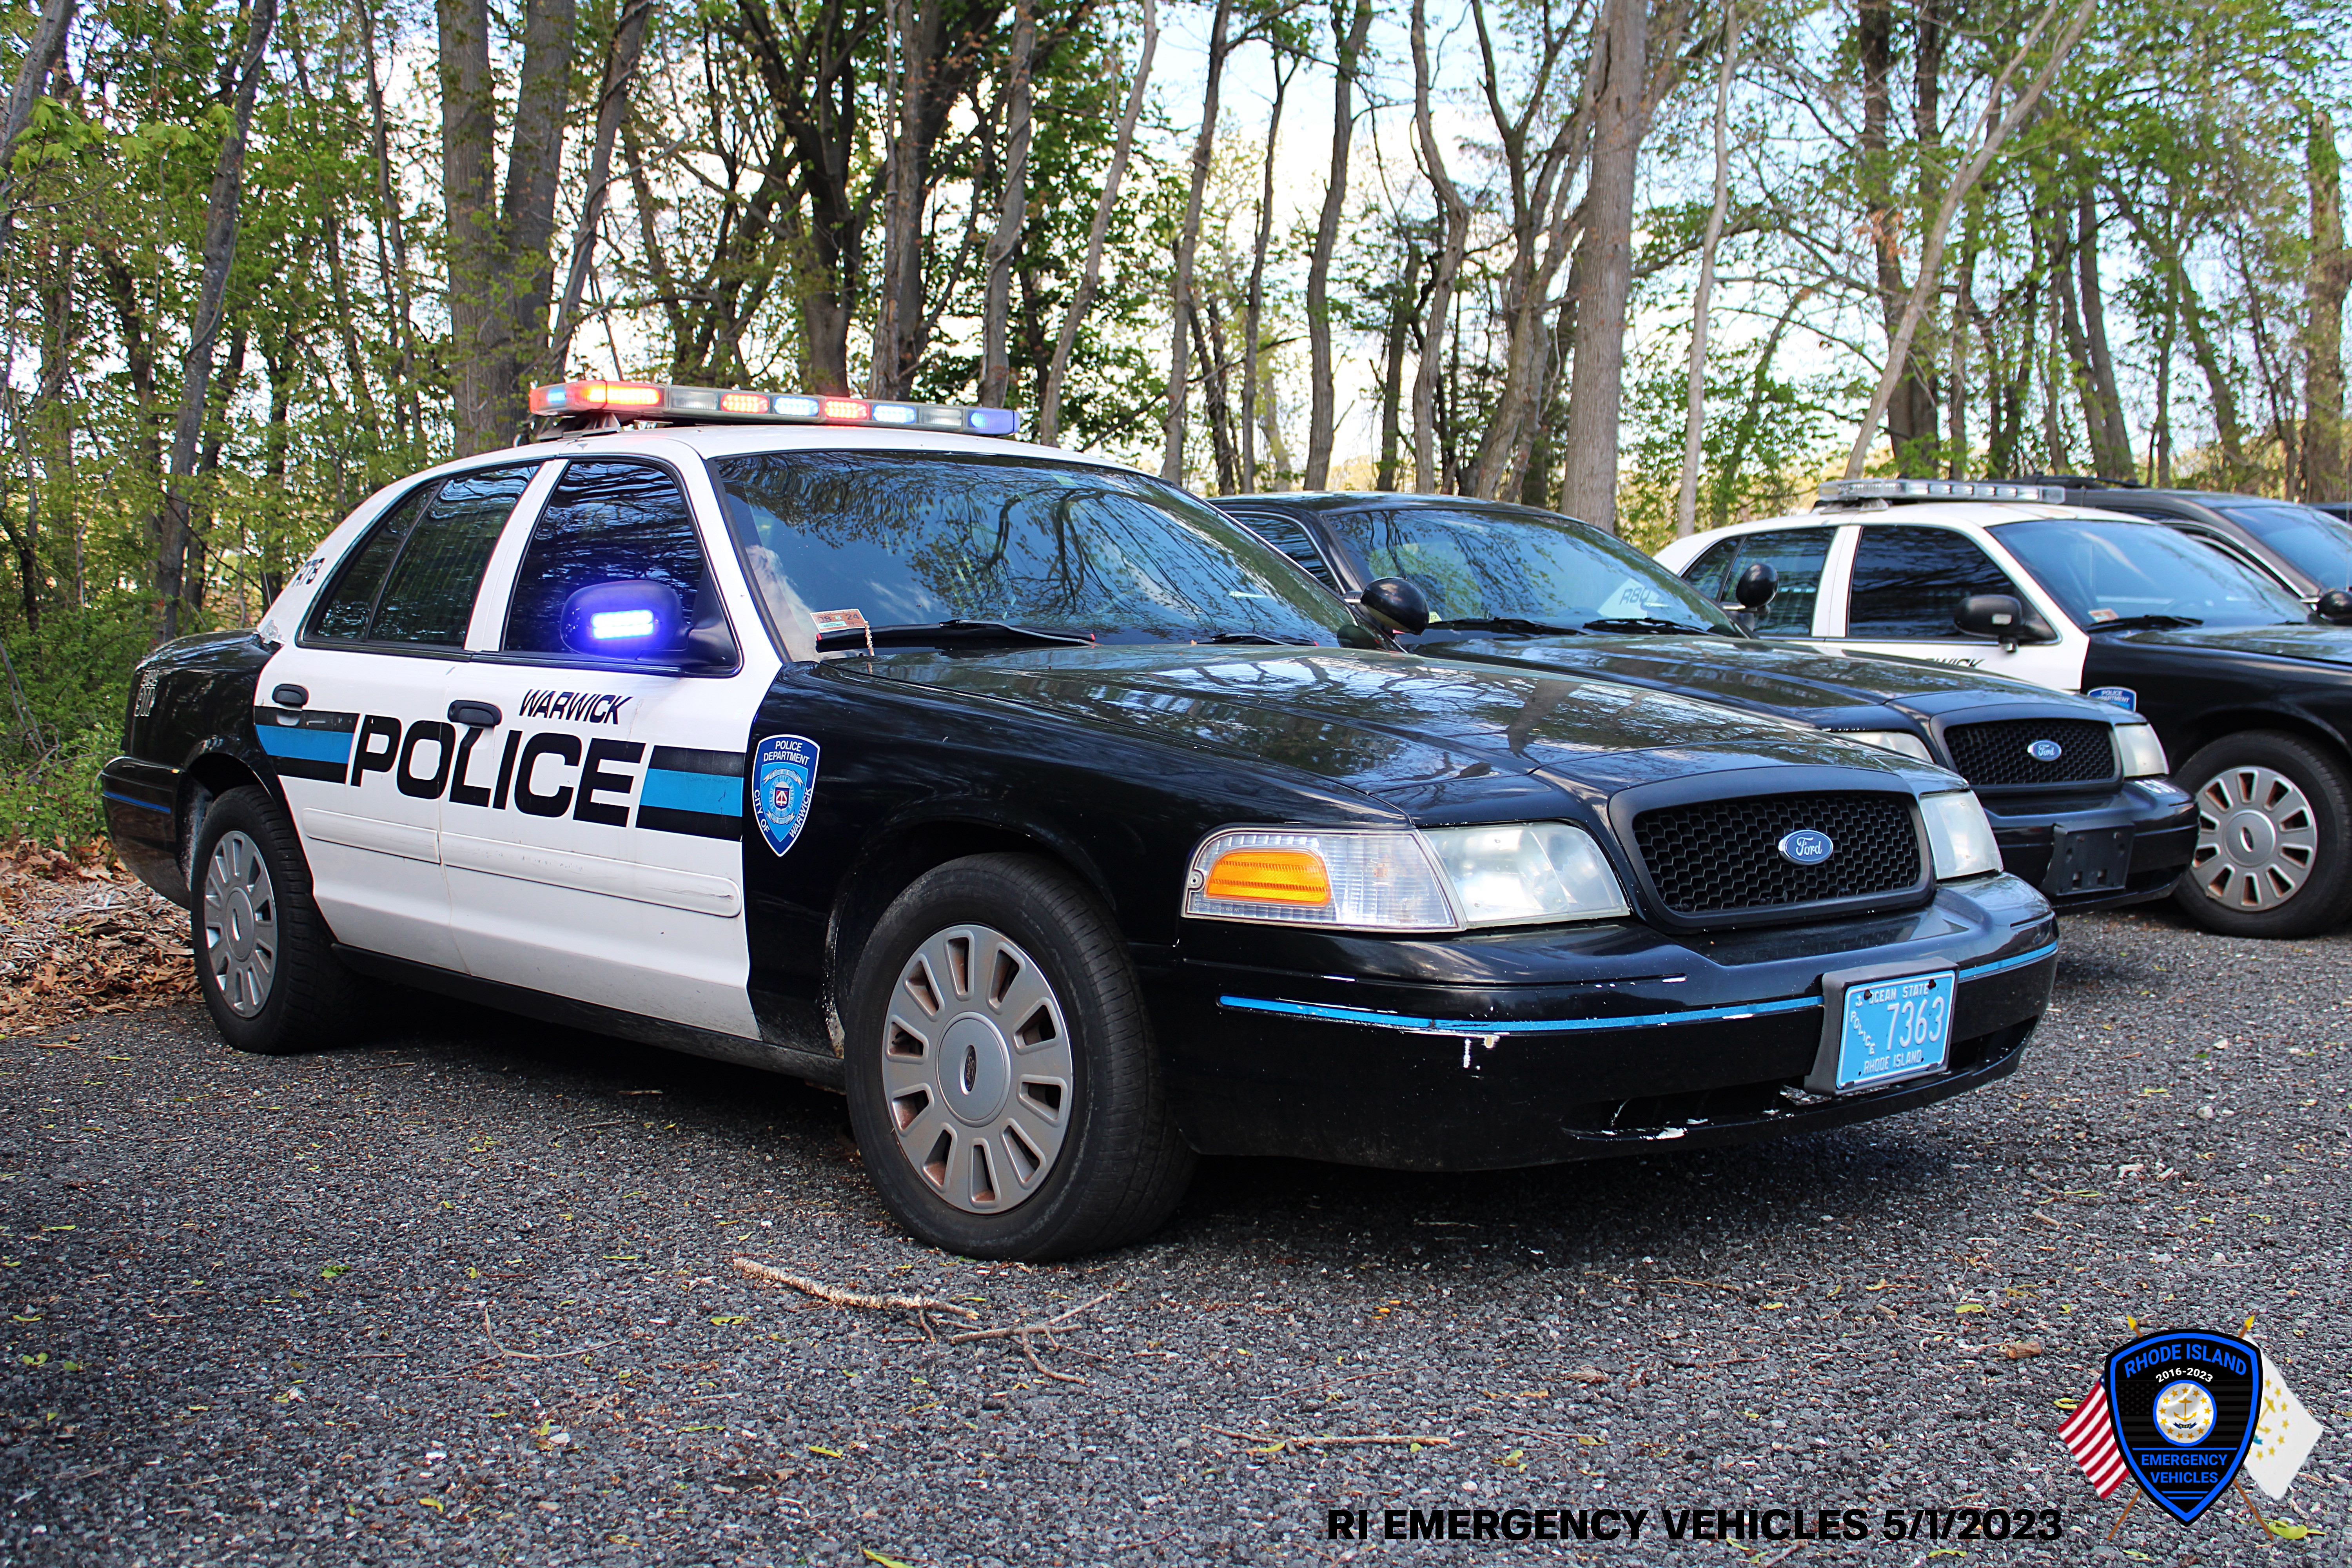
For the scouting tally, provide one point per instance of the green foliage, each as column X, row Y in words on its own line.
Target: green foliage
column 69, row 686
column 1762, row 448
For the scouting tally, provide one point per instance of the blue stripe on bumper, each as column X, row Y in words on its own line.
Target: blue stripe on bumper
column 1572, row 1026
column 134, row 800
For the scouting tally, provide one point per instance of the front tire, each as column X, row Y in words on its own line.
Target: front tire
column 1002, row 1082
column 2274, row 826
column 264, row 958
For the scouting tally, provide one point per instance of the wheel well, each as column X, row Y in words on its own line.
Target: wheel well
column 886, row 870
column 2217, row 727
column 212, row 774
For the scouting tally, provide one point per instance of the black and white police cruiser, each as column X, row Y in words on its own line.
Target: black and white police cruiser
column 1049, row 813
column 2249, row 688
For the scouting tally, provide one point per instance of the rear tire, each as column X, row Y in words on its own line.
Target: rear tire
column 1002, row 1082
column 2274, row 856
column 264, row 958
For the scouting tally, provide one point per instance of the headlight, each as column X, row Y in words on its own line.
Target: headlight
column 1902, row 741
column 2140, row 752
column 1527, row 873
column 1959, row 836
column 1449, row 878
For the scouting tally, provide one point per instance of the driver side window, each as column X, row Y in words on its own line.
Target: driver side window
column 1909, row 581
column 1796, row 554
column 604, row 522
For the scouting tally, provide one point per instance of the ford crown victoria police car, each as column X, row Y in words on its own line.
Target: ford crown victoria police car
column 2075, row 790
column 1046, row 811
column 2249, row 690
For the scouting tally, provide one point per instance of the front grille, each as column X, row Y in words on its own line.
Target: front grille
column 1723, row 854
column 1994, row 755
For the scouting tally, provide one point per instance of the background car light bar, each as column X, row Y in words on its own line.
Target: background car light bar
column 710, row 404
column 1937, row 490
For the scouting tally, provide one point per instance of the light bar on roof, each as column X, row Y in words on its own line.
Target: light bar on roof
column 710, row 406
column 1937, row 490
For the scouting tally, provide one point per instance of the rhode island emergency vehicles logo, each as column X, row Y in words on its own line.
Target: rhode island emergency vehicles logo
column 2181, row 1411
column 784, row 772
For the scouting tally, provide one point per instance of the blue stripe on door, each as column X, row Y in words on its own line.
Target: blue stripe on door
column 714, row 794
column 306, row 744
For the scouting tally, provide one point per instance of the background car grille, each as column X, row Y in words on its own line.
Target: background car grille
column 1993, row 756
column 1725, row 854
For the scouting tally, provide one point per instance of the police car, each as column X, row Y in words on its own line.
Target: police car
column 2301, row 548
column 2075, row 790
column 1051, row 816
column 2250, row 691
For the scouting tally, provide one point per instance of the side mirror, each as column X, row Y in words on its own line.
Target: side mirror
column 1398, row 604
column 2335, row 607
column 636, row 619
column 2001, row 617
column 1754, row 590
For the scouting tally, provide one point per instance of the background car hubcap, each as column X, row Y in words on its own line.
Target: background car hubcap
column 240, row 920
column 977, row 1069
column 2257, row 838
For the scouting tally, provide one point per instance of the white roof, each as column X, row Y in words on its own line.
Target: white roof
column 724, row 440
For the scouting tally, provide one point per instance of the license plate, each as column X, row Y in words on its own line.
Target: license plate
column 1893, row 1028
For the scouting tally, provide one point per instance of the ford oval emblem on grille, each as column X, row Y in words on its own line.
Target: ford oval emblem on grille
column 1806, row 847
column 2045, row 750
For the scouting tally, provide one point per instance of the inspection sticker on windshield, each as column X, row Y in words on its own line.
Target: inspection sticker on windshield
column 783, row 774
column 1889, row 1029
column 839, row 620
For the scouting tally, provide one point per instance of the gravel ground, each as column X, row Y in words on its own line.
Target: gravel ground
column 467, row 1295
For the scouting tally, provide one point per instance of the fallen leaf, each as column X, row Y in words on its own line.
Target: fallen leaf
column 2017, row 1350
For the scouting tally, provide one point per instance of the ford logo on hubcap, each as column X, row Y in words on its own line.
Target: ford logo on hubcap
column 2045, row 750
column 1806, row 847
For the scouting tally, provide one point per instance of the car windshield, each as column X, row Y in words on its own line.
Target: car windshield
column 1487, row 566
column 916, row 539
column 2314, row 542
column 2103, row 571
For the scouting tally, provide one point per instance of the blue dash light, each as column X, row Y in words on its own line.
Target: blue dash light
column 622, row 624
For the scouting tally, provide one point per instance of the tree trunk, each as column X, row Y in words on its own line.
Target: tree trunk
column 1209, row 346
column 1049, row 404
column 1179, row 375
column 1605, row 270
column 392, row 241
column 1695, row 380
column 1454, row 217
column 1322, row 410
column 2111, row 445
column 1253, row 302
column 995, row 355
column 41, row 56
column 170, row 527
column 1402, row 311
column 2324, row 455
column 611, row 107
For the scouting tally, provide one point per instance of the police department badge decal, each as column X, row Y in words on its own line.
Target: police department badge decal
column 2184, row 1404
column 783, row 773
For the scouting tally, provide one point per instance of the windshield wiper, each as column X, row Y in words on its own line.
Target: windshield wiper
column 948, row 634
column 2143, row 622
column 1271, row 639
column 1503, row 624
column 1645, row 624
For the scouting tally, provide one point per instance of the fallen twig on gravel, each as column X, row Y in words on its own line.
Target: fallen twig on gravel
column 1015, row 1330
column 1275, row 1444
column 491, row 1335
column 840, row 1298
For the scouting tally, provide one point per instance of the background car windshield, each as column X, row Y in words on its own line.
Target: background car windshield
column 909, row 539
column 2315, row 544
column 2113, row 570
column 1488, row 565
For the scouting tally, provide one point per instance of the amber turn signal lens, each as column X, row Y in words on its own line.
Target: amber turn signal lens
column 1270, row 877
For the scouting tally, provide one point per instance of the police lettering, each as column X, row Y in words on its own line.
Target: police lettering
column 547, row 773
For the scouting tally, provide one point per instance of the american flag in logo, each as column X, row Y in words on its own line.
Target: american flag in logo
column 2090, row 1436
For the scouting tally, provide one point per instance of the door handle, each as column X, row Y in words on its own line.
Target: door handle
column 475, row 715
column 291, row 696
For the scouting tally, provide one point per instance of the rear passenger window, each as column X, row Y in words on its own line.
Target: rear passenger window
column 1797, row 555
column 604, row 522
column 1907, row 582
column 1711, row 572
column 414, row 578
column 1292, row 539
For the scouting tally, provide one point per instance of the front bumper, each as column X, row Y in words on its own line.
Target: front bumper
column 2126, row 848
column 1513, row 1050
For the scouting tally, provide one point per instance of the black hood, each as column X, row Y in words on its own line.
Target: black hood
column 2312, row 644
column 1394, row 725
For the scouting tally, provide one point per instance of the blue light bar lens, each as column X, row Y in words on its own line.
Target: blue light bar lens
column 991, row 421
column 798, row 408
column 612, row 626
column 893, row 413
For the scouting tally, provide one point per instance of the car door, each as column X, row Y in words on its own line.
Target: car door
column 1903, row 582
column 594, row 845
column 351, row 710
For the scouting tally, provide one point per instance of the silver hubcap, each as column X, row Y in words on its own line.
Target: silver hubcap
column 2257, row 838
column 977, row 1069
column 240, row 920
